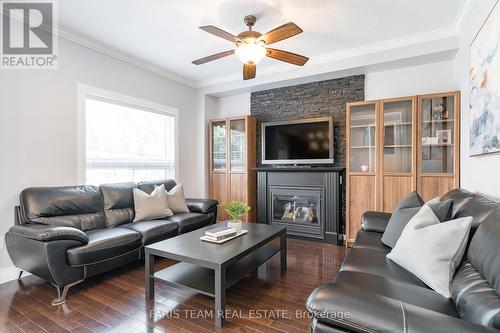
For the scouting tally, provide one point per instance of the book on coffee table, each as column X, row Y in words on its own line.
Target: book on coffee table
column 220, row 231
column 213, row 240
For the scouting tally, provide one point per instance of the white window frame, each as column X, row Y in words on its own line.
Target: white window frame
column 87, row 91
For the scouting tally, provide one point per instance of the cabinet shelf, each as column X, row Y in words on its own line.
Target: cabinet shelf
column 438, row 121
column 439, row 145
column 398, row 124
column 398, row 146
column 363, row 126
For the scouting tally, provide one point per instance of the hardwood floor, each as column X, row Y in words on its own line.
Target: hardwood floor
column 265, row 301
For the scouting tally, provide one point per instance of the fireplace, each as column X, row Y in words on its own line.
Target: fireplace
column 298, row 208
column 307, row 201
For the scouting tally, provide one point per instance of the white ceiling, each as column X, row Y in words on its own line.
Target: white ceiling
column 163, row 33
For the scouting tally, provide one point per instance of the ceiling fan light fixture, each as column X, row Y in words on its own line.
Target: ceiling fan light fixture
column 251, row 52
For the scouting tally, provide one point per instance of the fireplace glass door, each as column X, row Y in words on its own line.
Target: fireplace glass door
column 296, row 208
column 299, row 208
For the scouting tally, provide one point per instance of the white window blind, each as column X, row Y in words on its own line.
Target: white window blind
column 125, row 143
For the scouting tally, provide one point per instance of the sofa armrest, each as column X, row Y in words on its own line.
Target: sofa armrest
column 202, row 206
column 47, row 233
column 353, row 309
column 375, row 221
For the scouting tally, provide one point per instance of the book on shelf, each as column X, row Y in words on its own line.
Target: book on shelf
column 221, row 231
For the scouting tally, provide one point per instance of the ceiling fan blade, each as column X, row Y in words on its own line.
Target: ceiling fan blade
column 282, row 32
column 219, row 33
column 285, row 56
column 213, row 57
column 249, row 71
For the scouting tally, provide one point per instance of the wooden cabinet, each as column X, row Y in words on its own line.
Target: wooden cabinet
column 438, row 144
column 399, row 145
column 232, row 159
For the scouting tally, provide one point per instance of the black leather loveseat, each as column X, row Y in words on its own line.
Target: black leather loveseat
column 70, row 233
column 373, row 294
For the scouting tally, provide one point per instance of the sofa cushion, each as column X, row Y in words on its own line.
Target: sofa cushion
column 459, row 197
column 474, row 297
column 149, row 186
column 483, row 253
column 104, row 244
column 370, row 240
column 404, row 211
column 479, row 208
column 374, row 262
column 70, row 206
column 150, row 206
column 404, row 292
column 118, row 203
column 190, row 221
column 154, row 230
column 440, row 246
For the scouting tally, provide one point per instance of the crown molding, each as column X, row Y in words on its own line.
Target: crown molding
column 67, row 34
column 463, row 14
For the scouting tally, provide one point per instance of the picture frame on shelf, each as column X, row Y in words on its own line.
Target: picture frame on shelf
column 444, row 136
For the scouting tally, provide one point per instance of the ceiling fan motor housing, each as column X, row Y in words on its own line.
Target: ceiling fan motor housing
column 250, row 21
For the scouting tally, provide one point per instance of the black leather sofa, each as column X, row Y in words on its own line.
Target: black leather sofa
column 373, row 294
column 70, row 233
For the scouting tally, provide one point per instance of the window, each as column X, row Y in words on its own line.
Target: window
column 125, row 142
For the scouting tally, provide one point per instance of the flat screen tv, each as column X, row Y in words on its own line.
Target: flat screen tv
column 305, row 141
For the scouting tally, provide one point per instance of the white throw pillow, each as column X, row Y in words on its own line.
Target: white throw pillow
column 151, row 206
column 176, row 200
column 432, row 250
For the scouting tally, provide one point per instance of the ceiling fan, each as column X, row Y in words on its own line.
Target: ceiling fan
column 252, row 46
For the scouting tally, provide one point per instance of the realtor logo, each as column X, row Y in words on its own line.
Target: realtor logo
column 27, row 35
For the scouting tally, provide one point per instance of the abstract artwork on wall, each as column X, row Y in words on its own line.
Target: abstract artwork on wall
column 484, row 87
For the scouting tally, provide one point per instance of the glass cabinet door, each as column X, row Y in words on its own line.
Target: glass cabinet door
column 219, row 145
column 238, row 144
column 397, row 136
column 362, row 134
column 437, row 135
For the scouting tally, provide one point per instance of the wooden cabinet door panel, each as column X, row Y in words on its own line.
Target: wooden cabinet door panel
column 219, row 191
column 434, row 186
column 362, row 197
column 395, row 188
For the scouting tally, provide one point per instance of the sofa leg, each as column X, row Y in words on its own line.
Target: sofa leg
column 62, row 293
column 20, row 274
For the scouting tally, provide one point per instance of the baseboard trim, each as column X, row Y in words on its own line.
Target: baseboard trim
column 10, row 273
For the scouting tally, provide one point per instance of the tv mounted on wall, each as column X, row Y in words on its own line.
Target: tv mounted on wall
column 304, row 141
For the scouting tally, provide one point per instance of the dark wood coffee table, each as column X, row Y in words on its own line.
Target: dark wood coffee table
column 210, row 268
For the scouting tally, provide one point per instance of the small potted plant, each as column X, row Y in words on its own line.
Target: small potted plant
column 236, row 210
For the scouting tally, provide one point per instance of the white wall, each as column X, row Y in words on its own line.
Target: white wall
column 231, row 106
column 408, row 81
column 38, row 122
column 480, row 173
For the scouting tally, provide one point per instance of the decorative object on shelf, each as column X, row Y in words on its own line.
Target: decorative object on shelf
column 440, row 111
column 430, row 140
column 484, row 80
column 367, row 136
column 443, row 136
column 364, row 168
column 236, row 210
